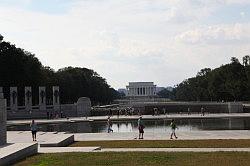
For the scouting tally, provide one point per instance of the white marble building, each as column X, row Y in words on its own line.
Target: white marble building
column 141, row 89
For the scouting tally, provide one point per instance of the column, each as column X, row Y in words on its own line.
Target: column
column 28, row 98
column 13, row 98
column 56, row 100
column 3, row 118
column 42, row 98
column 56, row 95
column 1, row 93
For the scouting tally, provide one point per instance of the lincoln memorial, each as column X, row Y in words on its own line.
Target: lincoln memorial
column 141, row 89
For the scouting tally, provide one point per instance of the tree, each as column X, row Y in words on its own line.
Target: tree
column 21, row 68
column 229, row 82
column 234, row 60
column 1, row 38
column 246, row 60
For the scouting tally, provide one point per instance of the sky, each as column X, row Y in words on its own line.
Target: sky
column 161, row 41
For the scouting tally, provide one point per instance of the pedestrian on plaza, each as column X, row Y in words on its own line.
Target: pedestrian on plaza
column 173, row 128
column 141, row 128
column 33, row 128
column 189, row 113
column 202, row 111
column 118, row 113
column 164, row 111
column 109, row 123
column 61, row 114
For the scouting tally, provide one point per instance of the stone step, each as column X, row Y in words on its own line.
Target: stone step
column 10, row 153
column 58, row 141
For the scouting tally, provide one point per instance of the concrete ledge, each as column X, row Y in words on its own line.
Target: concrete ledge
column 59, row 140
column 11, row 153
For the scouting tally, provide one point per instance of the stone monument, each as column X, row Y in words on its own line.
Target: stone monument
column 3, row 118
column 13, row 98
column 28, row 98
column 83, row 107
column 56, row 99
column 42, row 98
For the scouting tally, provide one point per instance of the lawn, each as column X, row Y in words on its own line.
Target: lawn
column 216, row 143
column 139, row 158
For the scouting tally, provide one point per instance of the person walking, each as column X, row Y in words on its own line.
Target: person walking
column 109, row 123
column 140, row 128
column 202, row 111
column 173, row 128
column 189, row 113
column 33, row 128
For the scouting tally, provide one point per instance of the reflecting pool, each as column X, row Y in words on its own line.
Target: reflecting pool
column 159, row 125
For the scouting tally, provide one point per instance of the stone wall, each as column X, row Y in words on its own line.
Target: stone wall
column 83, row 107
column 182, row 107
column 79, row 109
column 176, row 107
column 2, row 121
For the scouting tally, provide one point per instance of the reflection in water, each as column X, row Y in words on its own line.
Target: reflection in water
column 161, row 125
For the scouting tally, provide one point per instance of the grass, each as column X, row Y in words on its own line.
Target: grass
column 139, row 158
column 216, row 143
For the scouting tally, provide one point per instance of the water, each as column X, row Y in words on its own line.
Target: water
column 150, row 125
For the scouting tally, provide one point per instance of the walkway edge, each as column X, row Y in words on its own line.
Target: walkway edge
column 174, row 150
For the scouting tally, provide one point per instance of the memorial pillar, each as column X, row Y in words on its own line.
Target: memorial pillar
column 13, row 98
column 3, row 118
column 28, row 98
column 56, row 99
column 42, row 98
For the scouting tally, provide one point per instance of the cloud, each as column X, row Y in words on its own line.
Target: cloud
column 217, row 34
column 124, row 40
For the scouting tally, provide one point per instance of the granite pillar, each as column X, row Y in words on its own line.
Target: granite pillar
column 56, row 99
column 3, row 118
column 42, row 98
column 28, row 98
column 13, row 98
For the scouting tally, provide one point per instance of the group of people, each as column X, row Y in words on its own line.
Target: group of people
column 141, row 127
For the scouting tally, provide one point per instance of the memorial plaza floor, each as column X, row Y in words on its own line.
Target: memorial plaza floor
column 51, row 138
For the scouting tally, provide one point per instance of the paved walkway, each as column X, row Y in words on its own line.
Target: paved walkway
column 42, row 137
column 175, row 150
column 67, row 149
column 98, row 149
column 104, row 118
column 183, row 135
column 25, row 137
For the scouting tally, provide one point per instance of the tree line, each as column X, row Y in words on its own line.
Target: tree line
column 229, row 82
column 21, row 68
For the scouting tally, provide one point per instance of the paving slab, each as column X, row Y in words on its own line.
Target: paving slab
column 174, row 150
column 67, row 149
column 43, row 138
